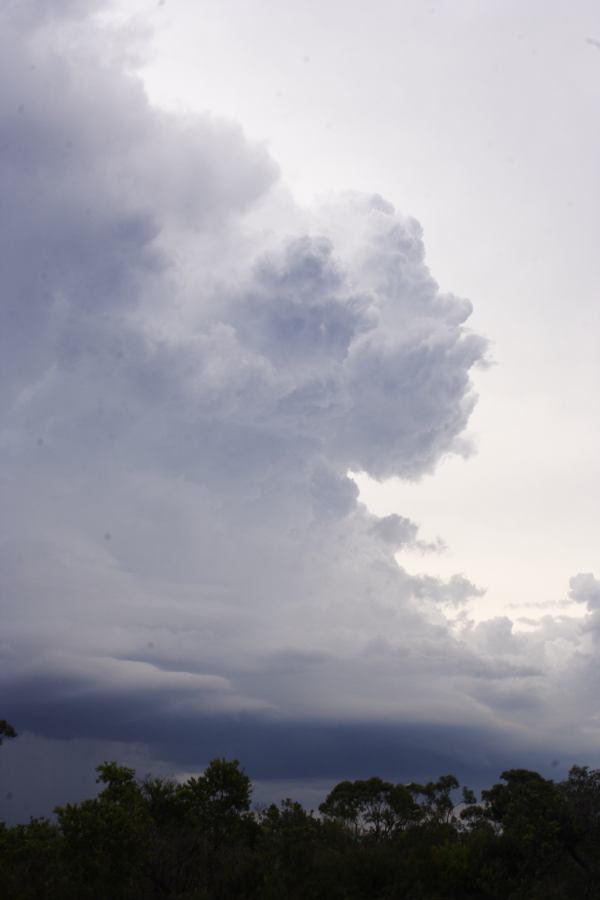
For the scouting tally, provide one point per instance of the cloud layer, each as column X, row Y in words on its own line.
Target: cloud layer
column 190, row 367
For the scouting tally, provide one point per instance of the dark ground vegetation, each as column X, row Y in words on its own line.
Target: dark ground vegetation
column 528, row 838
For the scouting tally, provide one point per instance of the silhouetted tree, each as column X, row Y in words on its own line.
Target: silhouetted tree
column 528, row 838
column 6, row 730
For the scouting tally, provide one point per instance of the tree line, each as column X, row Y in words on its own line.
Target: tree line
column 525, row 838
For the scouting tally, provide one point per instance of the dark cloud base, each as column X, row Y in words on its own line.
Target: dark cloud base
column 284, row 749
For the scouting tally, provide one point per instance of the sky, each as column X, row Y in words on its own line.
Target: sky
column 298, row 433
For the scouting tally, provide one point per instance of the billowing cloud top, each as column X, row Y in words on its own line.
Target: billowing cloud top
column 190, row 366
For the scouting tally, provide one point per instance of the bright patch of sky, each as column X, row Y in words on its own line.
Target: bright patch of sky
column 480, row 121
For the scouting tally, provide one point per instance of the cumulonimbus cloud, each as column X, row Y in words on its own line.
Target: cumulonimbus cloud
column 184, row 391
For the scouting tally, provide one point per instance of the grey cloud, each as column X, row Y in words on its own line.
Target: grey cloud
column 457, row 591
column 396, row 530
column 183, row 394
column 31, row 14
column 45, row 771
column 497, row 634
column 585, row 589
column 90, row 177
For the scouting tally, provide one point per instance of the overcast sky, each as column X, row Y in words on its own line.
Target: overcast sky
column 299, row 433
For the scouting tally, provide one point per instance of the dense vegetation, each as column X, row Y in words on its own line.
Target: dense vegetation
column 528, row 837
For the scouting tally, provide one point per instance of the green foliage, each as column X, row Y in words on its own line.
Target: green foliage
column 374, row 807
column 30, row 860
column 437, row 804
column 218, row 798
column 139, row 839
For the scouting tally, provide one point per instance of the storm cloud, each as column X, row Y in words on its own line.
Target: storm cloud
column 186, row 383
